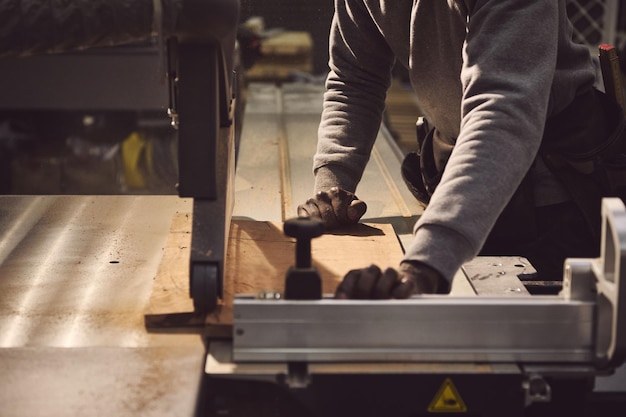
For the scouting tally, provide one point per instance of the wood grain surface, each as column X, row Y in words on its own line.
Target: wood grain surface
column 258, row 257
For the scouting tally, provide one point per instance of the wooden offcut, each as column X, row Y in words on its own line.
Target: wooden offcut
column 282, row 54
column 170, row 291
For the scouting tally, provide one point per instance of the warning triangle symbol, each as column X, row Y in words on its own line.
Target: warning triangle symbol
column 447, row 399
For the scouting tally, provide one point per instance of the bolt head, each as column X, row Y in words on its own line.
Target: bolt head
column 303, row 227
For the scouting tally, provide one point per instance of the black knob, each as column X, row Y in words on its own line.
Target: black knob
column 303, row 229
column 303, row 282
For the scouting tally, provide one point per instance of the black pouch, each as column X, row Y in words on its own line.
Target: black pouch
column 412, row 176
column 584, row 146
column 420, row 170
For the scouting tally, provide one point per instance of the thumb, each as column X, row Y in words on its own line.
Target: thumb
column 356, row 210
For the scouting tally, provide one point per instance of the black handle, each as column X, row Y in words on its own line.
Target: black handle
column 303, row 282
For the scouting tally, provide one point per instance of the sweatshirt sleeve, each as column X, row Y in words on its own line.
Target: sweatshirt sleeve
column 360, row 73
column 509, row 60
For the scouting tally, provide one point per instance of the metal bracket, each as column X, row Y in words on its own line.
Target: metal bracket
column 611, row 294
column 600, row 280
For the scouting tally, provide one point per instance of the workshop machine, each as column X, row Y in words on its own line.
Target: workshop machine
column 484, row 355
column 149, row 55
column 299, row 352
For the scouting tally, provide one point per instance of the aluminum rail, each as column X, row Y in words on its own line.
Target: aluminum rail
column 425, row 328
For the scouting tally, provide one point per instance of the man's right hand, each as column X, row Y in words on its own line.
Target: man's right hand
column 335, row 207
column 373, row 283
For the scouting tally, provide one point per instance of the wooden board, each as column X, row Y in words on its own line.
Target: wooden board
column 258, row 257
column 170, row 291
column 282, row 54
column 288, row 43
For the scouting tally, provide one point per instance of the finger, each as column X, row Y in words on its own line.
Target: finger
column 384, row 285
column 367, row 281
column 328, row 217
column 340, row 200
column 326, row 210
column 346, row 286
column 323, row 196
column 309, row 209
column 356, row 210
column 405, row 287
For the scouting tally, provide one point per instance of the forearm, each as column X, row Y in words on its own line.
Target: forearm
column 503, row 112
column 360, row 74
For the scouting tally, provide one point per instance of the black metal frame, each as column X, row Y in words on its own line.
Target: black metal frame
column 206, row 156
column 200, row 38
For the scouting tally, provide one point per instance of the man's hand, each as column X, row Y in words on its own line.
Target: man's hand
column 374, row 284
column 335, row 208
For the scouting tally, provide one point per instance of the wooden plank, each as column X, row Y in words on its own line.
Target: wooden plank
column 283, row 54
column 288, row 43
column 170, row 291
column 258, row 257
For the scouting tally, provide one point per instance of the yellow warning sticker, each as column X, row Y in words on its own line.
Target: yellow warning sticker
column 447, row 400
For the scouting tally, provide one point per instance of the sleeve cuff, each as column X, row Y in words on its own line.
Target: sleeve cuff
column 440, row 248
column 331, row 175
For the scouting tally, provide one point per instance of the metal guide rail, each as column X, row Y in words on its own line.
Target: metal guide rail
column 425, row 328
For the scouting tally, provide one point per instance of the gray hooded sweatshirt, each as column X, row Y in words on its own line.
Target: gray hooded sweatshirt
column 487, row 73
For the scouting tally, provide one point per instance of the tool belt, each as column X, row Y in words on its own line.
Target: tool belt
column 584, row 146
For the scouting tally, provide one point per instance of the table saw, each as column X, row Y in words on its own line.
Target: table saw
column 79, row 273
column 100, row 313
column 490, row 348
